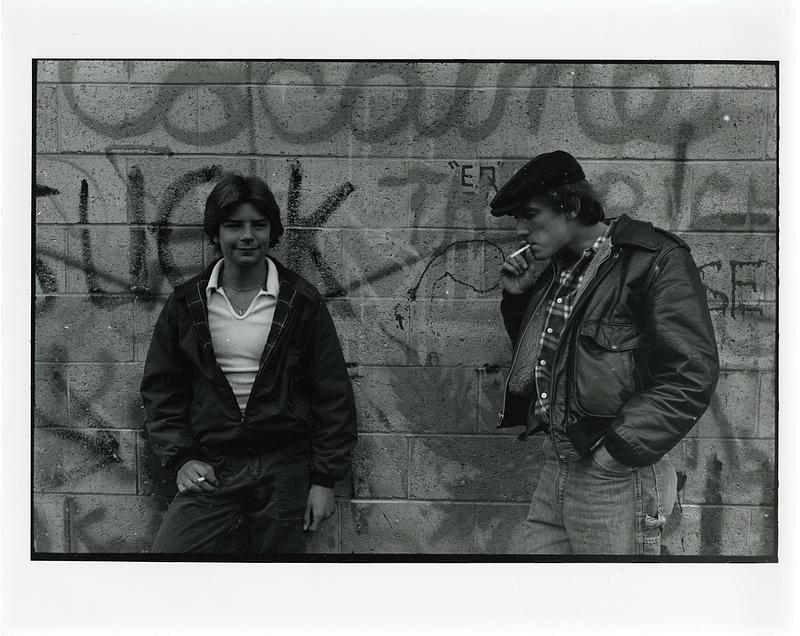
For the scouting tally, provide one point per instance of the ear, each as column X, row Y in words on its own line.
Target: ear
column 576, row 208
column 215, row 239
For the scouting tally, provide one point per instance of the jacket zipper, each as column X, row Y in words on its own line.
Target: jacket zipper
column 502, row 414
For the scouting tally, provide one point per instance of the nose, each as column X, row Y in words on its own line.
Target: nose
column 520, row 228
column 247, row 232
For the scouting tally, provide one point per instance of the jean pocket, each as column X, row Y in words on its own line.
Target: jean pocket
column 291, row 494
column 607, row 462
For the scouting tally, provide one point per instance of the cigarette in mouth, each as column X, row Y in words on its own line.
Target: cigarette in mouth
column 518, row 252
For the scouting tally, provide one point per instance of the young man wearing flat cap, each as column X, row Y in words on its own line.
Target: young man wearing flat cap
column 246, row 391
column 615, row 360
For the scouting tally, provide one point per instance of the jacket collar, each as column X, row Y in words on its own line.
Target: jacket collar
column 627, row 231
column 290, row 287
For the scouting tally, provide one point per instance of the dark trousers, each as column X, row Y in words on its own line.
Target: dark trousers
column 258, row 508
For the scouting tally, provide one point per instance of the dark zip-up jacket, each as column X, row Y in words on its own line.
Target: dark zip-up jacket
column 301, row 394
column 637, row 362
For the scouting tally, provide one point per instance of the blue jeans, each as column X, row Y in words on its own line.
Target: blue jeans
column 258, row 508
column 596, row 505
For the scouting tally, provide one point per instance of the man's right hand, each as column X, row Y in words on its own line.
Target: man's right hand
column 516, row 274
column 196, row 476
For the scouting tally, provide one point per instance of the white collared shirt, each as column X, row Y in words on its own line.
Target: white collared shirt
column 239, row 339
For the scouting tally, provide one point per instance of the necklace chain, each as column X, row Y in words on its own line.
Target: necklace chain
column 239, row 289
column 249, row 289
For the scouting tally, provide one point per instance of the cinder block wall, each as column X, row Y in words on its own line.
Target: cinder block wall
column 383, row 173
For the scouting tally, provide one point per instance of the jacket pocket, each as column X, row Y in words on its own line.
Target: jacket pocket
column 605, row 367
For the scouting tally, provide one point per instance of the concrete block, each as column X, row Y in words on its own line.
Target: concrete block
column 456, row 194
column 380, row 466
column 738, row 472
column 707, row 531
column 174, row 189
column 626, row 75
column 46, row 71
column 699, row 124
column 415, row 528
column 379, row 122
column 497, row 469
column 62, row 196
column 734, row 408
column 51, row 255
column 772, row 127
column 317, row 256
column 746, row 341
column 417, row 264
column 153, row 479
column 766, row 406
column 458, row 333
column 187, row 72
column 119, row 525
column 155, row 263
column 327, row 539
column 226, row 119
column 298, row 120
column 734, row 75
column 734, row 196
column 106, row 396
column 492, row 382
column 50, row 395
column 84, row 461
column 499, row 529
column 442, row 123
column 86, row 71
column 657, row 192
column 736, row 268
column 46, row 119
column 99, row 118
column 763, row 540
column 49, row 524
column 79, row 329
column 415, row 399
column 296, row 73
column 368, row 331
column 534, row 121
column 337, row 193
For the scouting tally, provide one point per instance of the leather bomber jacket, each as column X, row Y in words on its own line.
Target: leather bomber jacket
column 301, row 397
column 637, row 362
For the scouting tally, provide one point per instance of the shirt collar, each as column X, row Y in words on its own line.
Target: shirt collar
column 272, row 286
column 588, row 253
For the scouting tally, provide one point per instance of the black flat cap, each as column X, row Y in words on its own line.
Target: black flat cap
column 543, row 172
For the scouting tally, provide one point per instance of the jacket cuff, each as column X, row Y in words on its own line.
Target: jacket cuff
column 321, row 479
column 619, row 449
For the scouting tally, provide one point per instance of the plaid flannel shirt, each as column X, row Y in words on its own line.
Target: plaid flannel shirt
column 561, row 298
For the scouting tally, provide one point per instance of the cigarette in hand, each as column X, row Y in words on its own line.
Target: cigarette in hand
column 519, row 251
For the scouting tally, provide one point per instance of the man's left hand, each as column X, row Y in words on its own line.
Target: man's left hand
column 321, row 505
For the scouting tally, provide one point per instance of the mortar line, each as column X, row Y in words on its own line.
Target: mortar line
column 77, row 154
column 508, row 88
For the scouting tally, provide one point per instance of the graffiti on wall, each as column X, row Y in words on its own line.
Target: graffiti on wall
column 433, row 270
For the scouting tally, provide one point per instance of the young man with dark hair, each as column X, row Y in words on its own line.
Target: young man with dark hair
column 614, row 359
column 246, row 391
